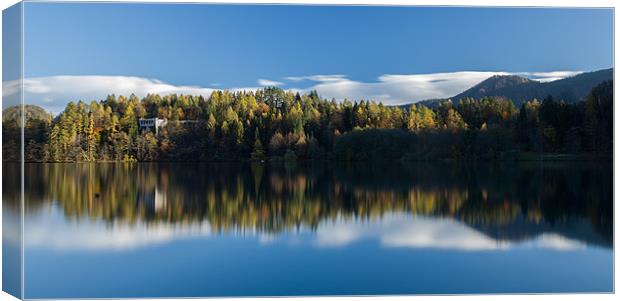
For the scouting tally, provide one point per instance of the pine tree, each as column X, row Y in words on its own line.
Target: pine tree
column 258, row 153
column 92, row 139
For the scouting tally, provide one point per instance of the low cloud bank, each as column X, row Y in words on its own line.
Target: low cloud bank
column 54, row 92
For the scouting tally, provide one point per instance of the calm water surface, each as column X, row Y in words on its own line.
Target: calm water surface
column 143, row 230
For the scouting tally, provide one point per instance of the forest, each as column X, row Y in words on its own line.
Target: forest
column 274, row 124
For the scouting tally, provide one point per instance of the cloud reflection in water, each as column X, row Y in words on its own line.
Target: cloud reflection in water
column 398, row 230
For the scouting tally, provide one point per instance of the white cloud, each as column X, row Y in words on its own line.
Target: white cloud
column 549, row 76
column 10, row 87
column 54, row 92
column 317, row 78
column 397, row 89
column 269, row 83
column 556, row 242
column 404, row 231
column 44, row 228
column 397, row 230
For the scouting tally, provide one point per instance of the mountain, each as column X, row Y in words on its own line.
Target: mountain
column 520, row 89
column 499, row 85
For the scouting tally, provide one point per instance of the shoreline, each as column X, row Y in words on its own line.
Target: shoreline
column 521, row 157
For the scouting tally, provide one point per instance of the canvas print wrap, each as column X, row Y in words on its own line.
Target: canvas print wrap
column 208, row 150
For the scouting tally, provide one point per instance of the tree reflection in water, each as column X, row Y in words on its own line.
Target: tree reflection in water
column 511, row 202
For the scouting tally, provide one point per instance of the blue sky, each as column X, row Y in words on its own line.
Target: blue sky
column 234, row 46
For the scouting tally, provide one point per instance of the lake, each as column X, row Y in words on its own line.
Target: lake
column 188, row 230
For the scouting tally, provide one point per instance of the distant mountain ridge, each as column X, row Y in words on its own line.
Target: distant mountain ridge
column 520, row 89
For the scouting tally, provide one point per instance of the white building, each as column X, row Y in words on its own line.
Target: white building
column 152, row 123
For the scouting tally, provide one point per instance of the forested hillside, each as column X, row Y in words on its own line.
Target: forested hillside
column 519, row 89
column 275, row 124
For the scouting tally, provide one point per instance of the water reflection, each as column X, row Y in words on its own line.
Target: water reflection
column 491, row 207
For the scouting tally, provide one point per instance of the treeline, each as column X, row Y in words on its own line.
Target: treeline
column 272, row 123
column 492, row 129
